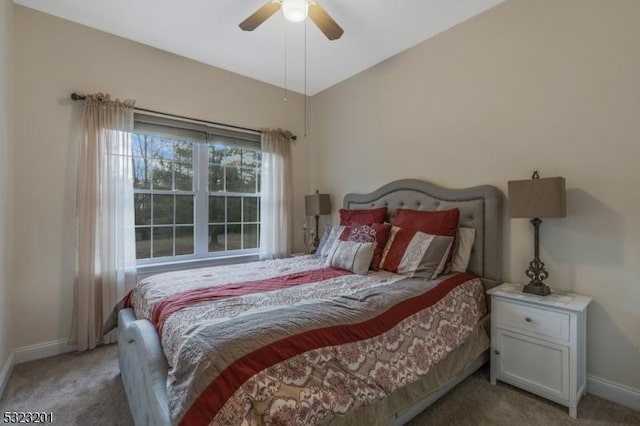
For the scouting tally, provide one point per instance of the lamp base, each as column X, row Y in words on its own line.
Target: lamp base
column 316, row 240
column 536, row 271
column 538, row 289
column 314, row 246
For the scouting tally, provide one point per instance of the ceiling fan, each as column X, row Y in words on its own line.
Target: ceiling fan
column 295, row 11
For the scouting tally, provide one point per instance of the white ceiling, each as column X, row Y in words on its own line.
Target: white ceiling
column 207, row 31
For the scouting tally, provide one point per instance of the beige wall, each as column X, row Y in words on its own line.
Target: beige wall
column 6, row 136
column 547, row 85
column 55, row 57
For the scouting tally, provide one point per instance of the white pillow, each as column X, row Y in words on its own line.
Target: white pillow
column 323, row 240
column 351, row 255
column 334, row 236
column 466, row 237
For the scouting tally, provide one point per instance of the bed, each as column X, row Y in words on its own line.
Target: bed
column 147, row 367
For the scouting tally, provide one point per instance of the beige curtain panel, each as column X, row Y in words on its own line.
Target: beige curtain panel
column 106, row 257
column 276, row 194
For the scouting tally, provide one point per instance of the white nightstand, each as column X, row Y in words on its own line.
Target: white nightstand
column 539, row 343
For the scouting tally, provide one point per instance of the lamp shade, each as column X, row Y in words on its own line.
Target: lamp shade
column 317, row 204
column 537, row 198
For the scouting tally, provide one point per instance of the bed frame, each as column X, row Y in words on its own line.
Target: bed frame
column 143, row 366
column 480, row 208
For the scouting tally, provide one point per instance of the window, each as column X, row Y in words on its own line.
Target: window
column 196, row 191
column 234, row 199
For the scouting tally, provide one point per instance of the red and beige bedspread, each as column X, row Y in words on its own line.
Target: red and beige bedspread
column 317, row 343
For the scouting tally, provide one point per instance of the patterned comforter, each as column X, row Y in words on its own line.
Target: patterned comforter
column 317, row 344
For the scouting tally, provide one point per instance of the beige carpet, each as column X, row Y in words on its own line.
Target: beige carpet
column 85, row 389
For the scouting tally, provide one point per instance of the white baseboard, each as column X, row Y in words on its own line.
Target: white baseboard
column 32, row 353
column 612, row 391
column 42, row 350
column 6, row 372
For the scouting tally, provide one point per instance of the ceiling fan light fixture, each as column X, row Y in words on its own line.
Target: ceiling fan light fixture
column 295, row 10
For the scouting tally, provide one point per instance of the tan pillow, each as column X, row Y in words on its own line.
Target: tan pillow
column 415, row 254
column 350, row 255
column 466, row 237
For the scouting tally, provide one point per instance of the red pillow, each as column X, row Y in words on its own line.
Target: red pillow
column 362, row 217
column 376, row 232
column 440, row 222
column 344, row 236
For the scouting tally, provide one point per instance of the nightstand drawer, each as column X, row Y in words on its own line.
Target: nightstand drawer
column 528, row 318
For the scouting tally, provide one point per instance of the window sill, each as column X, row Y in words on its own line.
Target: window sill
column 157, row 268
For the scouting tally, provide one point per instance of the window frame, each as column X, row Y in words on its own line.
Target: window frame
column 202, row 137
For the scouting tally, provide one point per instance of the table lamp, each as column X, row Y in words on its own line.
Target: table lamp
column 537, row 198
column 315, row 205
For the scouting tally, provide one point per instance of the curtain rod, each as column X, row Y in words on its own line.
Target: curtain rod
column 77, row 97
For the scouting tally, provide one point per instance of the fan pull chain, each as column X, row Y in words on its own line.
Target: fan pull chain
column 285, row 62
column 305, row 78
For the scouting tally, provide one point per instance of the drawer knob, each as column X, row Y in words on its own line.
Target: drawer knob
column 497, row 352
column 527, row 319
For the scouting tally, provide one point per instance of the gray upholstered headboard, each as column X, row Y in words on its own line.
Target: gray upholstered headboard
column 480, row 208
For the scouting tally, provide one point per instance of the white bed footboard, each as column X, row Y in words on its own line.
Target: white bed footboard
column 143, row 369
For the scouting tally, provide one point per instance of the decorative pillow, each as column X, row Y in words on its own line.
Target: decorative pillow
column 416, row 254
column 362, row 217
column 378, row 233
column 334, row 235
column 351, row 255
column 323, row 239
column 440, row 222
column 361, row 234
column 466, row 237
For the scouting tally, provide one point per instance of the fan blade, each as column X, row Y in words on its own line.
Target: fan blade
column 260, row 15
column 325, row 22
